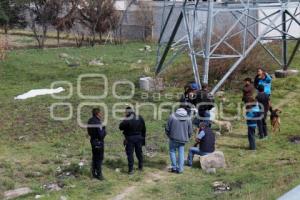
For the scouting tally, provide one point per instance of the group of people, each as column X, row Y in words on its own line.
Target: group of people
column 180, row 126
column 134, row 131
column 257, row 106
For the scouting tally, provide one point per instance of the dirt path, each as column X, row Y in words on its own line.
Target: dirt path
column 150, row 178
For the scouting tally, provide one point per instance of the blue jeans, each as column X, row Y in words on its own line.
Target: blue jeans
column 177, row 164
column 192, row 152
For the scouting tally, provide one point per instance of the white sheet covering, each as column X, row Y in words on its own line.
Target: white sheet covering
column 39, row 92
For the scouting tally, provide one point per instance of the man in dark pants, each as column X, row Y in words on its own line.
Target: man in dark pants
column 204, row 102
column 97, row 134
column 264, row 101
column 252, row 115
column 134, row 130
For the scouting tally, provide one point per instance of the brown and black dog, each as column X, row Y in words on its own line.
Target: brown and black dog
column 275, row 119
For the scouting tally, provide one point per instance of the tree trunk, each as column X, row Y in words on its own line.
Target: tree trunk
column 6, row 29
column 100, row 38
column 58, row 37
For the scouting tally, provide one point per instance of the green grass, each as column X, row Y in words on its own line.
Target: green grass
column 31, row 142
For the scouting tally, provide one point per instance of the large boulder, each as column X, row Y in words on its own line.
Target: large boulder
column 150, row 84
column 214, row 160
column 12, row 194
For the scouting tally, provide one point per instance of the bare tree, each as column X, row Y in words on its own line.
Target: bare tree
column 99, row 16
column 66, row 19
column 144, row 18
column 43, row 13
column 3, row 47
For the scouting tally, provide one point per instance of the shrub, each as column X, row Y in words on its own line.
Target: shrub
column 3, row 48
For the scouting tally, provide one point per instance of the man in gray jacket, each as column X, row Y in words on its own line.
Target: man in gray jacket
column 179, row 129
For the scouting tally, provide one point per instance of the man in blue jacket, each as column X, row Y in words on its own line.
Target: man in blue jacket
column 252, row 116
column 97, row 134
column 263, row 78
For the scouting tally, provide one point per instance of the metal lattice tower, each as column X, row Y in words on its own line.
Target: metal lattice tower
column 193, row 28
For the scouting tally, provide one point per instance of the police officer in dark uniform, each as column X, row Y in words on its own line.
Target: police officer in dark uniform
column 134, row 130
column 204, row 102
column 97, row 134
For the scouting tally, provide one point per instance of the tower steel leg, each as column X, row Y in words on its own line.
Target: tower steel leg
column 208, row 41
column 284, row 42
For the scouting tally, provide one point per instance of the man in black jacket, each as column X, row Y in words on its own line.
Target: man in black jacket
column 134, row 130
column 97, row 134
column 264, row 101
column 204, row 102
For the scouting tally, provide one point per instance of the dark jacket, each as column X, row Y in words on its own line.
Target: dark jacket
column 263, row 99
column 179, row 126
column 248, row 91
column 252, row 116
column 133, row 125
column 207, row 143
column 203, row 101
column 95, row 130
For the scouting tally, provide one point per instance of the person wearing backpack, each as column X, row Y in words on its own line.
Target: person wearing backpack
column 97, row 133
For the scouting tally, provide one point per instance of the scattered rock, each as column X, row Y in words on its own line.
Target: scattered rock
column 118, row 170
column 21, row 137
column 139, row 61
column 295, row 139
column 72, row 64
column 218, row 133
column 58, row 169
column 150, row 151
column 81, row 163
column 96, row 62
column 285, row 161
column 224, row 100
column 146, row 48
column 38, row 196
column 52, row 187
column 220, row 94
column 63, row 155
column 63, row 198
column 66, row 163
column 213, row 160
column 211, row 170
column 64, row 55
column 12, row 194
column 33, row 174
column 220, row 187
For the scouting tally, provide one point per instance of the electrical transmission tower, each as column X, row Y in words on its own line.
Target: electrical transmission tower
column 202, row 27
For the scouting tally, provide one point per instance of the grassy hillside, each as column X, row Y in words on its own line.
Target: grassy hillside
column 36, row 150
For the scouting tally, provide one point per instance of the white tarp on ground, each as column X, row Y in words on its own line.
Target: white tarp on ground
column 39, row 92
column 294, row 194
